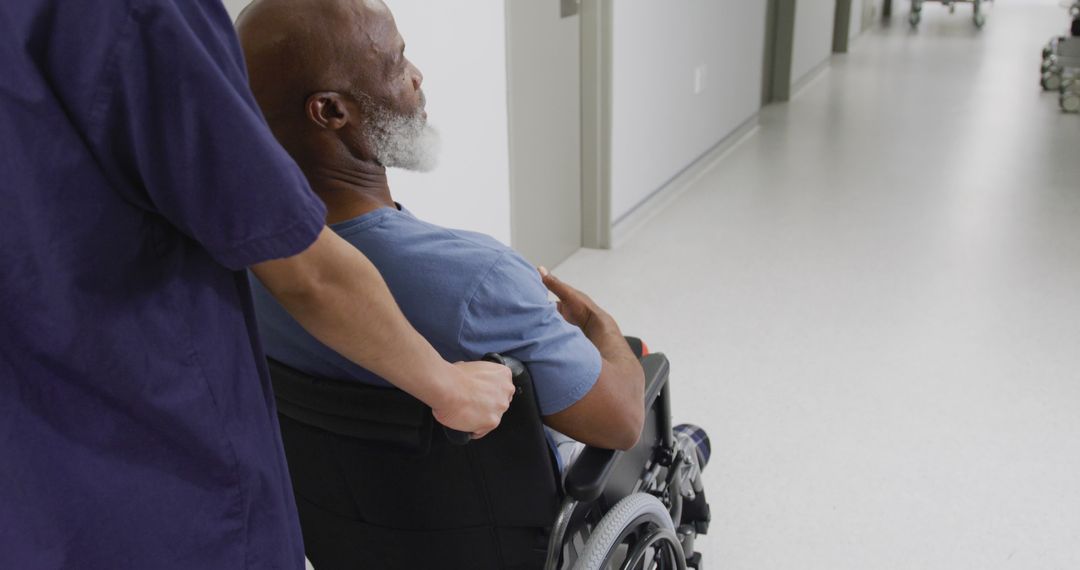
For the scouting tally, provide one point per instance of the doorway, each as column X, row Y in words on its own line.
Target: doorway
column 559, row 55
column 543, row 70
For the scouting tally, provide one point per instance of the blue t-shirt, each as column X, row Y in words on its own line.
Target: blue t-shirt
column 139, row 179
column 465, row 292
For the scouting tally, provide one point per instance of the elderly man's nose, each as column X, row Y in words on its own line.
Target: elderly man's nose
column 418, row 78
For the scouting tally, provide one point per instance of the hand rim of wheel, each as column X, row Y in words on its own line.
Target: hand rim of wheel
column 633, row 513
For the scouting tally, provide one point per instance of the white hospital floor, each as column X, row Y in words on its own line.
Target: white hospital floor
column 873, row 306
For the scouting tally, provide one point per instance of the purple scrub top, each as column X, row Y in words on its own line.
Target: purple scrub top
column 137, row 180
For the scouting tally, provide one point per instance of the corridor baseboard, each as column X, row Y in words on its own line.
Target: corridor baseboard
column 628, row 224
column 811, row 76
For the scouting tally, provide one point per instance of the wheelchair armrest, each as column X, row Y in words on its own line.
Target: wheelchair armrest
column 637, row 346
column 589, row 474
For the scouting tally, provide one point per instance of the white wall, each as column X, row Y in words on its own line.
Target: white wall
column 856, row 26
column 234, row 6
column 814, row 21
column 460, row 46
column 659, row 127
column 873, row 10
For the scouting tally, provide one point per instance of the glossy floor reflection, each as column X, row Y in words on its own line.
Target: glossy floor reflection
column 873, row 305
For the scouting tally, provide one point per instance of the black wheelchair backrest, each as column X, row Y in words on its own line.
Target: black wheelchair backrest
column 375, row 477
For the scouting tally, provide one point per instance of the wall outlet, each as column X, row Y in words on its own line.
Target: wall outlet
column 700, row 73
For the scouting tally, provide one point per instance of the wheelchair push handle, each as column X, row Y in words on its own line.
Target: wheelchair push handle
column 516, row 368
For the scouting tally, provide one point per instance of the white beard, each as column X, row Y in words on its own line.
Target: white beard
column 403, row 141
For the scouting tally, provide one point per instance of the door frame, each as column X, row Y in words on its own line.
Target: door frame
column 779, row 43
column 596, row 107
column 842, row 26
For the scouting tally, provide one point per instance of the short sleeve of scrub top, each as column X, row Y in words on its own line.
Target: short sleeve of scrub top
column 179, row 112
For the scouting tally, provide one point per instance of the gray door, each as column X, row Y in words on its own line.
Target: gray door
column 544, row 62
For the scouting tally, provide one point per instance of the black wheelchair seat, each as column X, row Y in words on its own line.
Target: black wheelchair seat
column 379, row 485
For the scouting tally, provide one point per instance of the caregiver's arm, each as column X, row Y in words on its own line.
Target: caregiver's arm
column 335, row 293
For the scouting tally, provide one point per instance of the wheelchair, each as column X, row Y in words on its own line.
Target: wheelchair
column 1060, row 68
column 379, row 484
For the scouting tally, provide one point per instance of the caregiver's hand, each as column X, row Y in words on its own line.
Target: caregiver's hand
column 477, row 398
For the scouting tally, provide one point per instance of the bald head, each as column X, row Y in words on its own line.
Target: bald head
column 295, row 48
column 330, row 75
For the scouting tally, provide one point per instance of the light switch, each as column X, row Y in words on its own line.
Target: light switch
column 699, row 78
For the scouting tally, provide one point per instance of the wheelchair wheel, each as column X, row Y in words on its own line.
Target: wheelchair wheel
column 1051, row 81
column 978, row 16
column 1070, row 102
column 641, row 526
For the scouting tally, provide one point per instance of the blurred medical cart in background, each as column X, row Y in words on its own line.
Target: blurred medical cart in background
column 979, row 17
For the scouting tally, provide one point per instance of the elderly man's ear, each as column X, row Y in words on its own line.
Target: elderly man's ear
column 328, row 110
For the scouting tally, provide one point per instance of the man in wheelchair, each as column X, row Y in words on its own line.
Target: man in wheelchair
column 374, row 488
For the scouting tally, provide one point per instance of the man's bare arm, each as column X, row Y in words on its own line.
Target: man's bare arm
column 612, row 413
column 335, row 293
